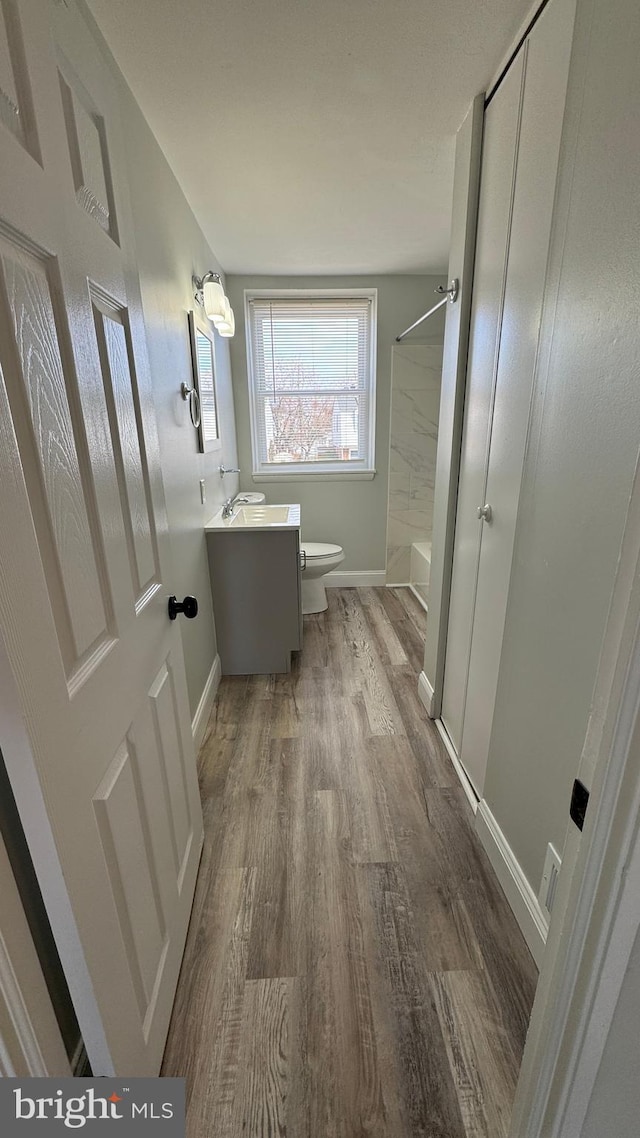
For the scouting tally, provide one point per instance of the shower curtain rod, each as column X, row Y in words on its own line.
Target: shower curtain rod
column 448, row 294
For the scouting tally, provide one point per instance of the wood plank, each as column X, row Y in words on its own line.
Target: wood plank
column 204, row 1036
column 410, row 627
column 382, row 711
column 268, row 1099
column 505, row 957
column 372, row 832
column 434, row 765
column 440, row 919
column 482, row 1061
column 392, row 604
column 278, row 934
column 316, row 648
column 413, row 610
column 383, row 632
column 346, row 1093
column 429, row 1098
column 450, row 816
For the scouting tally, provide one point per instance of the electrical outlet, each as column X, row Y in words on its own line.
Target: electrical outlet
column 203, row 491
column 547, row 893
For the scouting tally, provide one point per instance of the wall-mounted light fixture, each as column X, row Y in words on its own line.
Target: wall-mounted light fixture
column 211, row 296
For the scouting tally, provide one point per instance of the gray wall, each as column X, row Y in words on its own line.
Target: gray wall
column 170, row 248
column 584, row 439
column 352, row 514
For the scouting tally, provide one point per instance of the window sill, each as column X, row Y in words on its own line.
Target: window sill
column 316, row 476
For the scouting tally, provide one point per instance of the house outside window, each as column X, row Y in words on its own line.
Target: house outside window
column 311, row 369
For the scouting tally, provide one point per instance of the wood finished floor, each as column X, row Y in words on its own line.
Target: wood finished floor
column 352, row 967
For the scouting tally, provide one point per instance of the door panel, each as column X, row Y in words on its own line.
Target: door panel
column 16, row 105
column 88, row 152
column 122, row 824
column 174, row 775
column 61, row 500
column 127, row 440
column 496, row 197
column 84, row 553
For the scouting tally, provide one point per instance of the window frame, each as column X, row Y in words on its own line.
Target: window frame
column 333, row 470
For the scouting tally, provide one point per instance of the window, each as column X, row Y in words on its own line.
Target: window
column 311, row 361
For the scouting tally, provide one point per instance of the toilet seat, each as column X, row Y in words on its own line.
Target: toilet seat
column 316, row 549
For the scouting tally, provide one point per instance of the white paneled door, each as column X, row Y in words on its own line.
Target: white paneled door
column 521, row 146
column 84, row 566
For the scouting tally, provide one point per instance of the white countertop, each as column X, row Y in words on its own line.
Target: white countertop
column 245, row 519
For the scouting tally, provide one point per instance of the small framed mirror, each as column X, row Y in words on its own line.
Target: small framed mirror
column 204, row 380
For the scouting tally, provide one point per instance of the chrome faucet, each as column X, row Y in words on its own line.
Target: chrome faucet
column 227, row 509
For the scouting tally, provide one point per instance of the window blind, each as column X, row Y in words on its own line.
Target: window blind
column 311, row 379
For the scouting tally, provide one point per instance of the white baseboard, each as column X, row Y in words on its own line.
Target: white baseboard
column 426, row 693
column 472, row 797
column 203, row 710
column 420, row 599
column 521, row 897
column 359, row 578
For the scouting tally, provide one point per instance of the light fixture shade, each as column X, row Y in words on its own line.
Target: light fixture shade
column 226, row 318
column 214, row 301
column 228, row 328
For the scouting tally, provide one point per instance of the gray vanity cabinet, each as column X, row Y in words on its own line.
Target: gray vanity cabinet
column 256, row 588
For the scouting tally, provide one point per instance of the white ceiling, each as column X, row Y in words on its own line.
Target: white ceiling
column 312, row 136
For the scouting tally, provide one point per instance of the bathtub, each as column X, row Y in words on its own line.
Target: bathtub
column 421, row 569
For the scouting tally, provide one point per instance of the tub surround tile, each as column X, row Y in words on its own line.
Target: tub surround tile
column 410, row 455
column 413, row 367
column 422, row 490
column 406, row 526
column 415, row 405
column 399, row 489
column 414, row 413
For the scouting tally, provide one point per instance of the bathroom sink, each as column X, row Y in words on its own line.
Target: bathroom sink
column 260, row 516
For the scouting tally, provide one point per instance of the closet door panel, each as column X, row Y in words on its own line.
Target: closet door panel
column 496, row 196
column 547, row 69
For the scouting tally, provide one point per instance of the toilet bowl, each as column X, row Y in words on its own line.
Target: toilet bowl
column 319, row 559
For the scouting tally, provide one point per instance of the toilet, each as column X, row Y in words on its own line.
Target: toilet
column 319, row 559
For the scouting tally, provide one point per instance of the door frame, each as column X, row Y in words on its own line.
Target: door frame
column 27, row 791
column 30, row 1039
column 466, row 198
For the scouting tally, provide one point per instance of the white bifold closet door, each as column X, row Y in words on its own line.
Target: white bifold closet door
column 523, row 126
